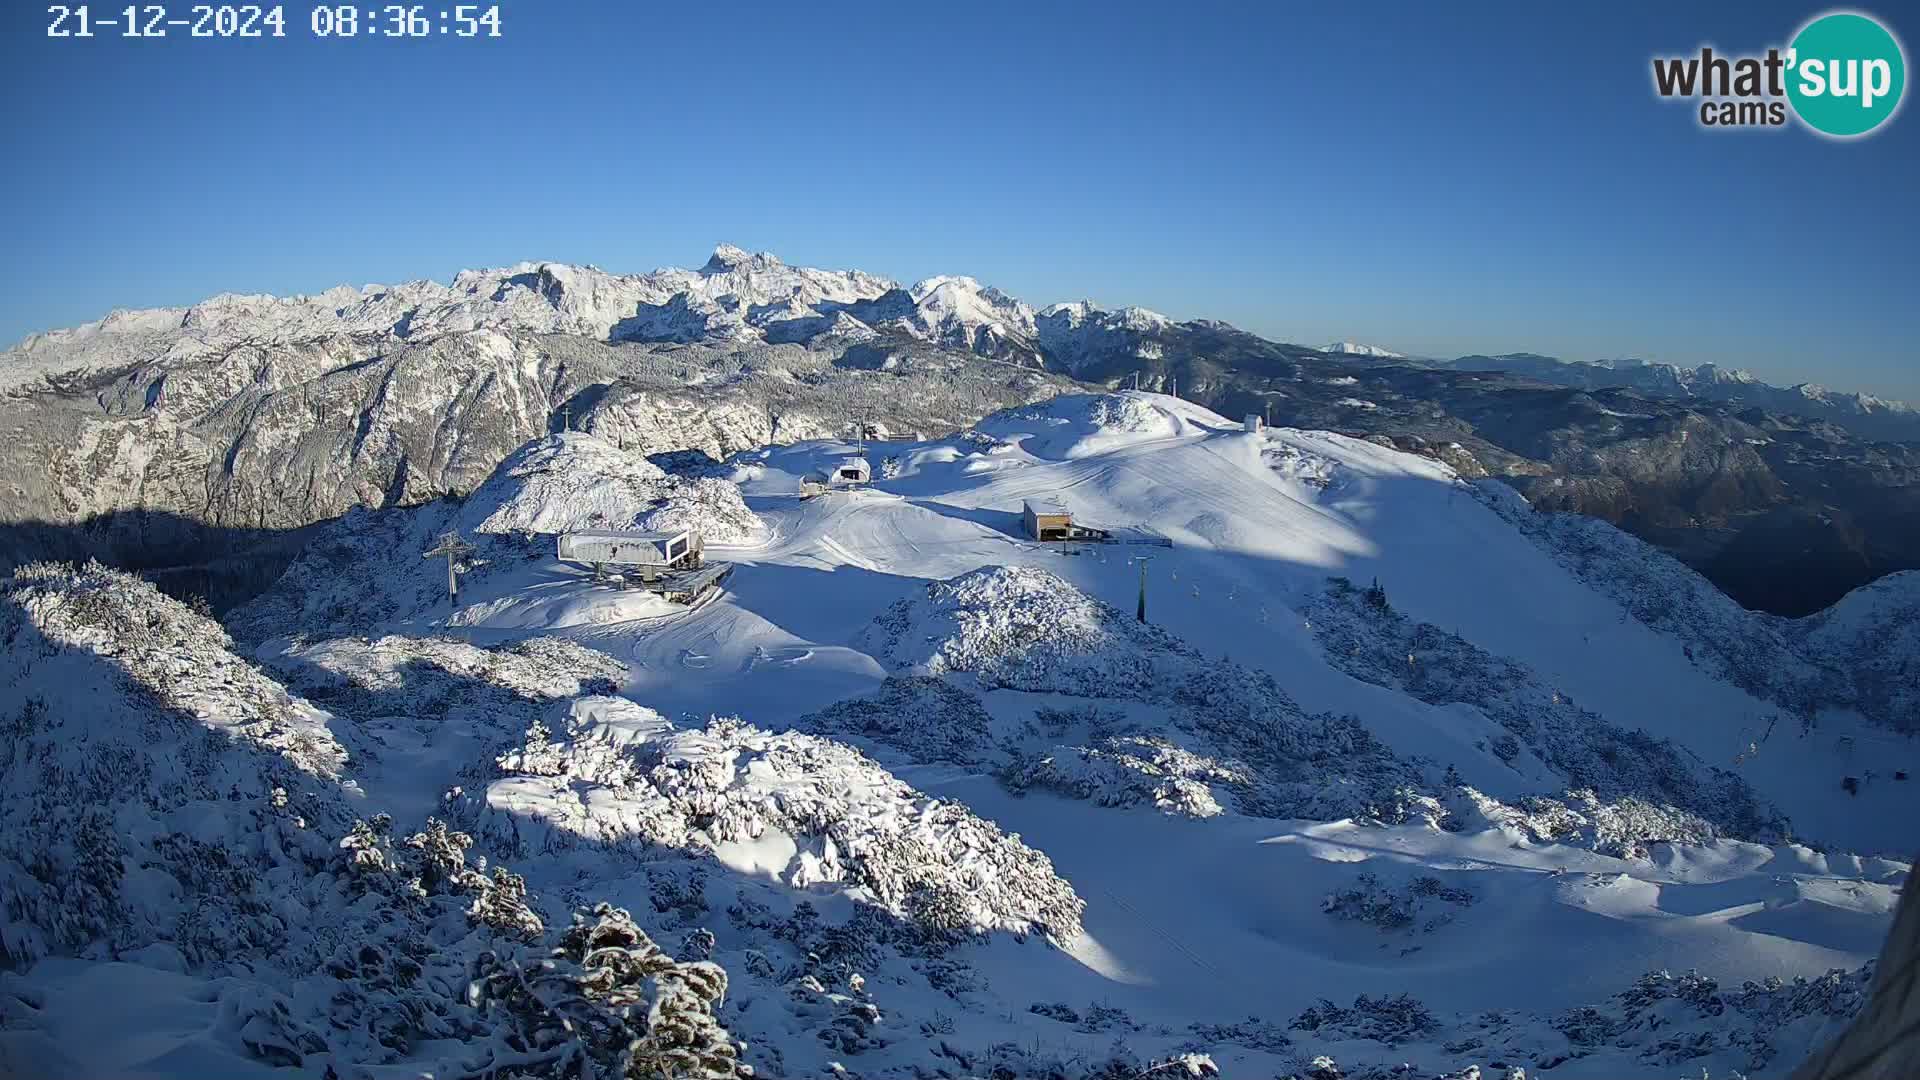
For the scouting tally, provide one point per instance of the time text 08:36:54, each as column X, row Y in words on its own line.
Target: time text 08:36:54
column 153, row 21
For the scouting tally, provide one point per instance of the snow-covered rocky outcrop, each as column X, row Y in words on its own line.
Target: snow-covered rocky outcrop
column 573, row 481
column 803, row 808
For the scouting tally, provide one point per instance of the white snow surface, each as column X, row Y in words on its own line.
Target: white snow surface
column 972, row 815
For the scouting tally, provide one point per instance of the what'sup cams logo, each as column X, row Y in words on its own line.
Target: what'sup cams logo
column 1843, row 75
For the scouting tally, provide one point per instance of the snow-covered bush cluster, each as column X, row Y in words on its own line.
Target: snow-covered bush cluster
column 1228, row 725
column 1390, row 1020
column 1423, row 903
column 166, row 805
column 572, row 481
column 1630, row 787
column 1623, row 826
column 1662, row 1025
column 922, row 717
column 1129, row 770
column 1027, row 629
column 609, row 1002
column 437, row 678
column 617, row 774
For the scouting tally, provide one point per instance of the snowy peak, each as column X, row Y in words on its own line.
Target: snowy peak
column 726, row 257
column 1078, row 335
column 1354, row 348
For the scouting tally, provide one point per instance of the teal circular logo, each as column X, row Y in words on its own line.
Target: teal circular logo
column 1846, row 74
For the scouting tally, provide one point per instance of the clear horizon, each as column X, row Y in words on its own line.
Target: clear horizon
column 1509, row 184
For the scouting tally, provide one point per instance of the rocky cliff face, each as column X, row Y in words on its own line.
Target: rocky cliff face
column 172, row 461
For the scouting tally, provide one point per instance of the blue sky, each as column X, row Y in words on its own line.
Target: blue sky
column 1438, row 178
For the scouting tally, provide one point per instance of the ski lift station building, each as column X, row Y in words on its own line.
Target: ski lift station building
column 850, row 471
column 681, row 550
column 1047, row 519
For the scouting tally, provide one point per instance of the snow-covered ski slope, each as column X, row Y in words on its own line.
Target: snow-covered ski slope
column 1211, row 922
column 1259, row 522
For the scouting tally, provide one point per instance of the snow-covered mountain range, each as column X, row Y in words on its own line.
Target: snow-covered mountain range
column 1864, row 413
column 736, row 297
column 187, row 437
column 1397, row 777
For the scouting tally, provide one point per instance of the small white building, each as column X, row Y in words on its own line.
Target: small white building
column 1254, row 423
column 851, row 471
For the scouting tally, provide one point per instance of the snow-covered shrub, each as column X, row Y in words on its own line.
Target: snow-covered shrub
column 927, row 718
column 611, row 772
column 1424, row 903
column 1128, row 770
column 1389, row 1020
column 607, row 1002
